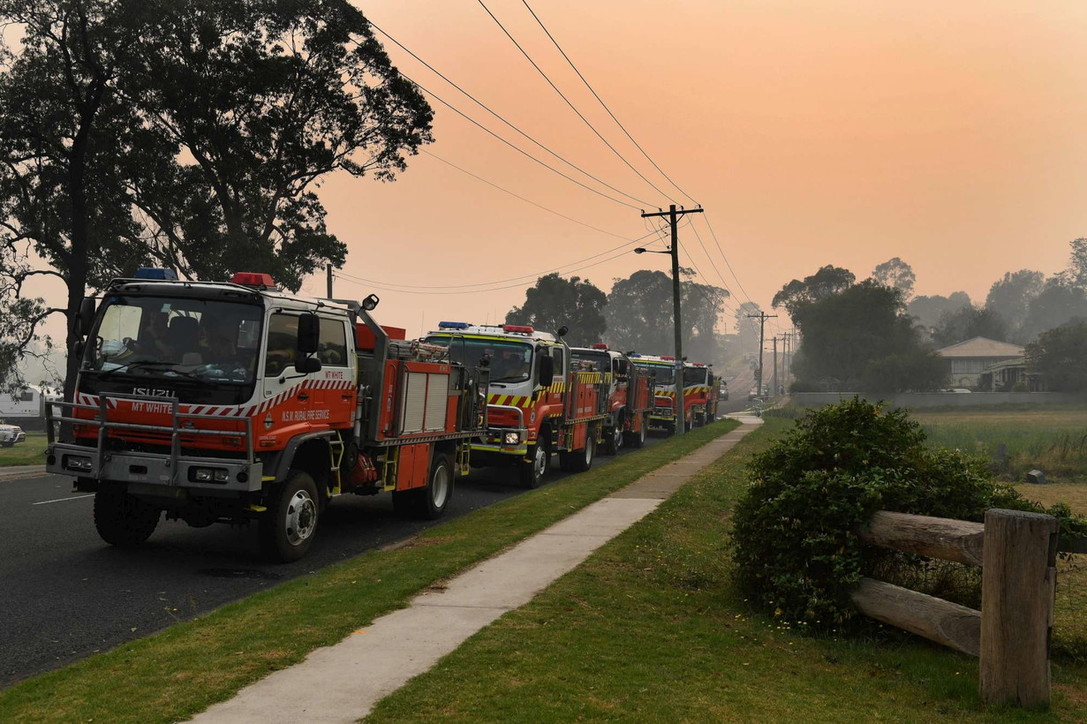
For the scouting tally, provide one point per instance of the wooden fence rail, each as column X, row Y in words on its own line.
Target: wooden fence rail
column 1010, row 635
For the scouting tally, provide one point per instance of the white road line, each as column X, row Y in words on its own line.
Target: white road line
column 61, row 500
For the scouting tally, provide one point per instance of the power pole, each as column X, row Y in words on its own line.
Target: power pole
column 329, row 269
column 673, row 215
column 774, row 389
column 762, row 317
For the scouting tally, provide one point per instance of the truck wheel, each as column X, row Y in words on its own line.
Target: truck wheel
column 430, row 501
column 287, row 529
column 582, row 460
column 532, row 473
column 123, row 520
column 637, row 439
column 613, row 440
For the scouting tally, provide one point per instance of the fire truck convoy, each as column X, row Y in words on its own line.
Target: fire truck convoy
column 538, row 402
column 630, row 396
column 232, row 402
column 700, row 391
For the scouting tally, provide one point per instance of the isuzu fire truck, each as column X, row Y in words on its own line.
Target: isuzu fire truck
column 700, row 392
column 232, row 402
column 537, row 402
column 630, row 395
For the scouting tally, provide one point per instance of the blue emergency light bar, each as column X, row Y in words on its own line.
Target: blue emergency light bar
column 148, row 272
column 453, row 325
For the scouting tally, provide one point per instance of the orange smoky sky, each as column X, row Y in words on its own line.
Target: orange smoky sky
column 813, row 132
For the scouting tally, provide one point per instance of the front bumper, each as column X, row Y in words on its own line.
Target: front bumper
column 153, row 471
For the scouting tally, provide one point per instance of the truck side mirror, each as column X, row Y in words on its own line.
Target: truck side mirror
column 547, row 370
column 309, row 333
column 86, row 316
column 305, row 365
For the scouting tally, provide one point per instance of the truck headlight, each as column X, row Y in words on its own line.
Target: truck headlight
column 209, row 475
column 79, row 463
column 512, row 438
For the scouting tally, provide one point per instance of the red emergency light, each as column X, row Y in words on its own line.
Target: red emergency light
column 253, row 279
column 668, row 356
column 600, row 345
column 522, row 328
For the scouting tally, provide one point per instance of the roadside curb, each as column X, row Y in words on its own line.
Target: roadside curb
column 20, row 471
column 340, row 683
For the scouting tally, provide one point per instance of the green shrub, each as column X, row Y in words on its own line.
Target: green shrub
column 797, row 555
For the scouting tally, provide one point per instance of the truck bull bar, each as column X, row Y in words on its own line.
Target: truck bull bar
column 148, row 469
column 494, row 437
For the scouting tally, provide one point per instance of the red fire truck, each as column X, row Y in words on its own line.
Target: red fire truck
column 234, row 402
column 662, row 370
column 630, row 395
column 700, row 393
column 537, row 403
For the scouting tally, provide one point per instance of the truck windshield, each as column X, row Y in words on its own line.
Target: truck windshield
column 510, row 361
column 592, row 361
column 663, row 375
column 694, row 376
column 203, row 339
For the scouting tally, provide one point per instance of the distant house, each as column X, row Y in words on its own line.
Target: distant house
column 968, row 361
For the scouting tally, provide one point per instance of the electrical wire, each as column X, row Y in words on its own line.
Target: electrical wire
column 572, row 106
column 603, row 104
column 519, row 150
column 474, row 286
column 502, row 119
column 520, row 284
column 521, row 198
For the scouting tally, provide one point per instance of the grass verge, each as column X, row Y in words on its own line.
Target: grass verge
column 183, row 670
column 650, row 629
column 31, row 452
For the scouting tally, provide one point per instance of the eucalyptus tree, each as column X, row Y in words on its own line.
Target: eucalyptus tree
column 190, row 133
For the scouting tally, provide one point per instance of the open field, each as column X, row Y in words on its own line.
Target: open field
column 1016, row 440
column 650, row 629
column 30, row 452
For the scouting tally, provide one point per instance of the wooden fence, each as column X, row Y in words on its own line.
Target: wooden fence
column 1017, row 553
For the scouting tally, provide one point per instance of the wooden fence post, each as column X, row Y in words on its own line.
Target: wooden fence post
column 1017, row 591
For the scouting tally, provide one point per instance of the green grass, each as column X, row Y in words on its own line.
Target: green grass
column 183, row 670
column 1051, row 439
column 650, row 629
column 31, row 452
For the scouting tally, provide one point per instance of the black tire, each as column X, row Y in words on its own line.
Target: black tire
column 430, row 501
column 123, row 520
column 289, row 526
column 614, row 437
column 532, row 473
column 637, row 439
column 582, row 460
column 8, row 444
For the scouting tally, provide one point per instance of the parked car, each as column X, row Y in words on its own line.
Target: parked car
column 11, row 434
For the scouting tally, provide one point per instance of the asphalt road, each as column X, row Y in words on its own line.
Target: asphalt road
column 65, row 594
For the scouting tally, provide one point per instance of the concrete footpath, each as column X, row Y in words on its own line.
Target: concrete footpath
column 342, row 683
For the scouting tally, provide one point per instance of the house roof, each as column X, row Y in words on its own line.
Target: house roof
column 981, row 347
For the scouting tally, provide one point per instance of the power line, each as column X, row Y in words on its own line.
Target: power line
column 567, row 100
column 469, row 287
column 521, row 198
column 519, row 150
column 603, row 104
column 502, row 119
column 381, row 285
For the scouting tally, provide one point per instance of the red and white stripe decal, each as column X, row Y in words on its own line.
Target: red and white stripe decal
column 235, row 410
